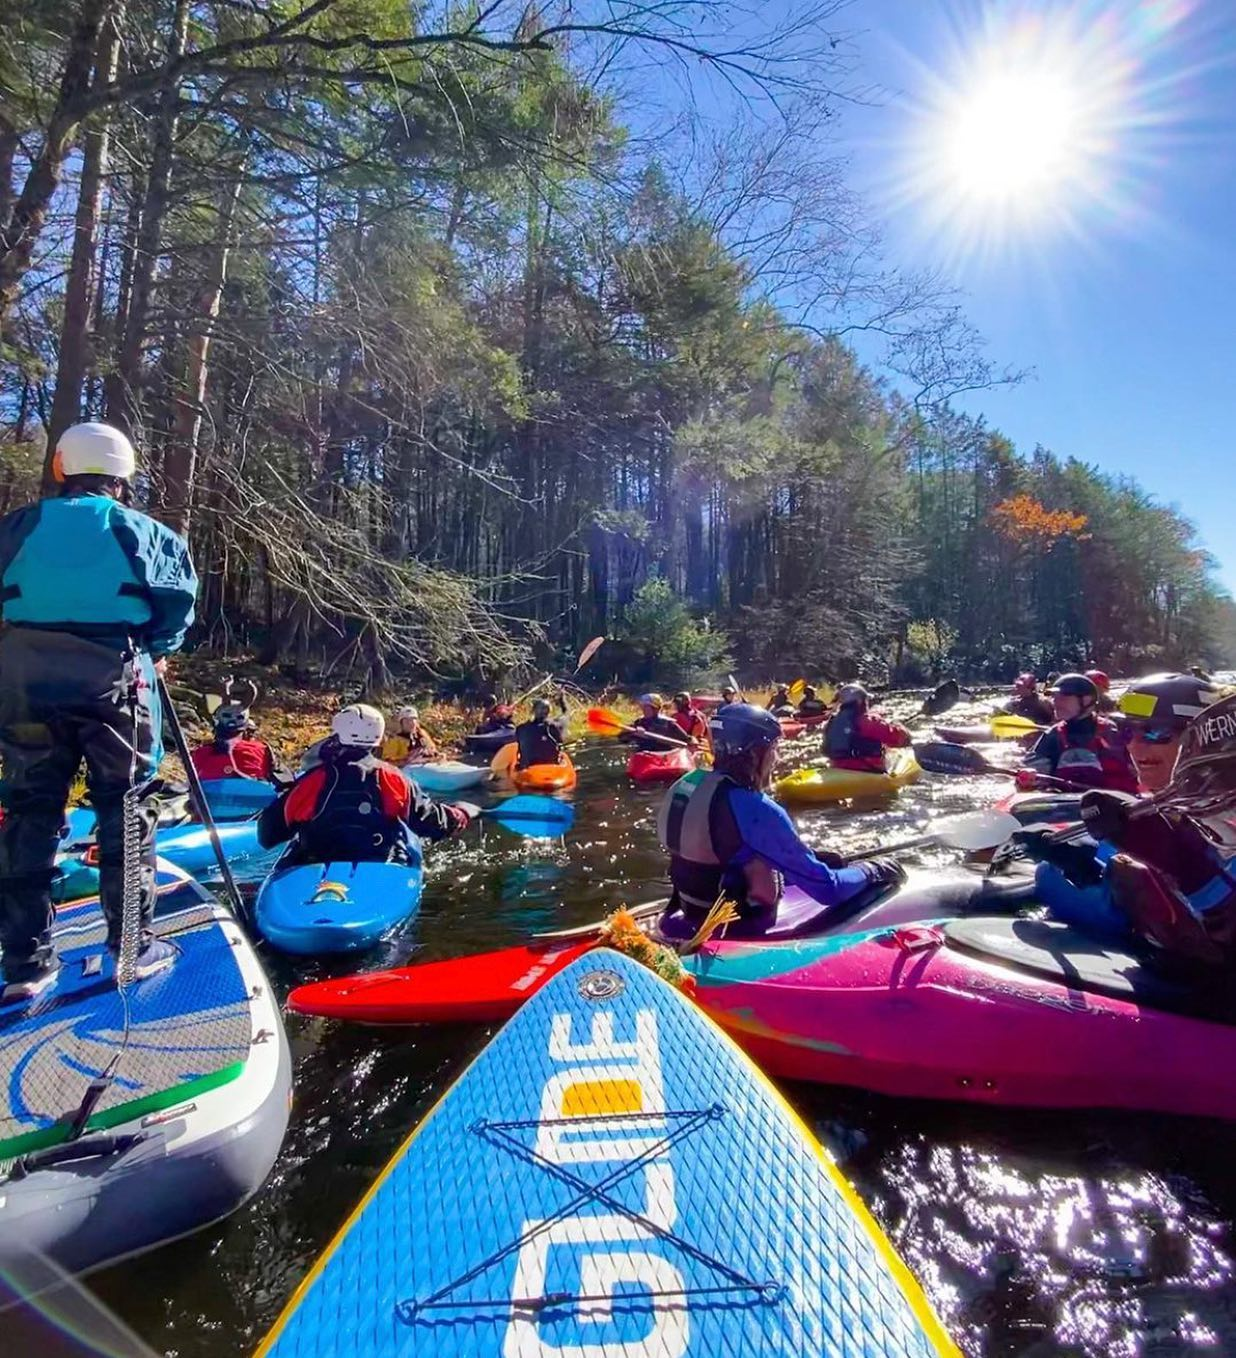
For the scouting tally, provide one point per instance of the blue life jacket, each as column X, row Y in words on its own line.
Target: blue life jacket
column 842, row 741
column 73, row 574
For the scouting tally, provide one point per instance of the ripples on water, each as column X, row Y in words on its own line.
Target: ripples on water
column 1035, row 1234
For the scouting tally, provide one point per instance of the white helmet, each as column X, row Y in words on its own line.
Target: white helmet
column 94, row 449
column 358, row 725
column 407, row 714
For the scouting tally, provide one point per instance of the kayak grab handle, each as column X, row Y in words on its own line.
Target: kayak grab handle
column 915, row 938
column 88, row 1148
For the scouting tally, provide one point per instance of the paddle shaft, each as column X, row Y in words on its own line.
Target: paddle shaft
column 198, row 798
column 646, row 735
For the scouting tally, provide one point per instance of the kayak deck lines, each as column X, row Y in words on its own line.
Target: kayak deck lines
column 500, row 1134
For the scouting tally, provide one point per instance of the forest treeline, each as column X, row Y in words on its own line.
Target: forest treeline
column 457, row 334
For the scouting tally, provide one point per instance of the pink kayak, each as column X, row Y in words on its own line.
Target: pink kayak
column 655, row 766
column 985, row 1009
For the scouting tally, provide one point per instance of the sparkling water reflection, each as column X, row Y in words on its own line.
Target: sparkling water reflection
column 1035, row 1234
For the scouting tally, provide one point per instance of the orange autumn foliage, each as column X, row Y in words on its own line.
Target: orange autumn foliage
column 1022, row 518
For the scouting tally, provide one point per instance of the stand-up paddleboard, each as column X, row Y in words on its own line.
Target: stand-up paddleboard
column 319, row 908
column 612, row 1176
column 186, row 1123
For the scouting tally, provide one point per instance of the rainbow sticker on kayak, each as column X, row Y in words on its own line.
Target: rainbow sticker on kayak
column 611, row 1176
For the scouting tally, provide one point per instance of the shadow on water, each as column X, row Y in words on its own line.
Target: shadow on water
column 1035, row 1234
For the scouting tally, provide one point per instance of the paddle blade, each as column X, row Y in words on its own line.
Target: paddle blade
column 942, row 756
column 504, row 761
column 1005, row 726
column 604, row 722
column 945, row 696
column 588, row 652
column 976, row 830
column 535, row 817
column 796, row 691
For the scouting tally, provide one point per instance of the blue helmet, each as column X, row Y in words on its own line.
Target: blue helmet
column 741, row 727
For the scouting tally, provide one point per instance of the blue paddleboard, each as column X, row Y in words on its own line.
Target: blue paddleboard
column 611, row 1176
column 337, row 907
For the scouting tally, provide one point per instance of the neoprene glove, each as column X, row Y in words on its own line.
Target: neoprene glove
column 830, row 860
column 885, row 872
column 1076, row 861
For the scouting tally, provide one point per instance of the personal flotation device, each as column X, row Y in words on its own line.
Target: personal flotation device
column 692, row 723
column 699, row 831
column 1098, row 759
column 341, row 811
column 234, row 758
column 540, row 742
column 843, row 741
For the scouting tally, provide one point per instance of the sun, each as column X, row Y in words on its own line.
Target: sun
column 1031, row 121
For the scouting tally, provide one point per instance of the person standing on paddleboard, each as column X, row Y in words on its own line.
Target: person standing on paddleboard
column 95, row 597
column 855, row 738
column 352, row 807
column 727, row 837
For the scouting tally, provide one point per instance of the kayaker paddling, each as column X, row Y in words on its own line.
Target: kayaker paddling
column 726, row 836
column 95, row 597
column 855, row 738
column 1028, row 702
column 812, row 705
column 690, row 720
column 654, row 722
column 781, row 704
column 1082, row 747
column 353, row 807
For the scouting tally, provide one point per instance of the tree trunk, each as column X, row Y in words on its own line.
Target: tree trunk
column 123, row 389
column 83, row 276
column 189, row 395
column 19, row 234
column 10, row 141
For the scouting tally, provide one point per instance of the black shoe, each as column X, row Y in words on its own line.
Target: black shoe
column 30, row 986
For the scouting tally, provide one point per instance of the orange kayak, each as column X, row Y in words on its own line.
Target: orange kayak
column 545, row 777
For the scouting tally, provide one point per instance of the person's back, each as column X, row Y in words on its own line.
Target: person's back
column 95, row 596
column 540, row 741
column 353, row 807
column 725, row 836
column 857, row 739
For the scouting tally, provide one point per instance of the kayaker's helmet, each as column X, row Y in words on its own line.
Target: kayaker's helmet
column 1099, row 679
column 1166, row 700
column 651, row 700
column 94, row 449
column 852, row 694
column 358, row 726
column 1206, row 765
column 742, row 729
column 540, row 710
column 232, row 720
column 682, row 701
column 809, row 691
column 729, row 694
column 407, row 714
column 1075, row 686
column 1025, row 683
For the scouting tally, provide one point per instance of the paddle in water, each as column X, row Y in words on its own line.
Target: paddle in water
column 528, row 815
column 607, row 723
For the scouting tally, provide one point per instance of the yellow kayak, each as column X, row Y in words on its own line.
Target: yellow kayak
column 810, row 786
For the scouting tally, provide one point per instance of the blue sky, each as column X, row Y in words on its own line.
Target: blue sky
column 1123, row 300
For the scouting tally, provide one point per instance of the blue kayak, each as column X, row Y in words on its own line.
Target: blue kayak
column 188, row 847
column 611, row 1176
column 337, row 907
column 237, row 798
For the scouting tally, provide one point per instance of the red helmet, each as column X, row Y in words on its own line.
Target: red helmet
column 1099, row 680
column 1025, row 683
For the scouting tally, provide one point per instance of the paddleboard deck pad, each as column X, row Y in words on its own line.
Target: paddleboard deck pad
column 192, row 1116
column 612, row 1176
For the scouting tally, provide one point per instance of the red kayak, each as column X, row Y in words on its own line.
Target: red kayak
column 790, row 728
column 659, row 766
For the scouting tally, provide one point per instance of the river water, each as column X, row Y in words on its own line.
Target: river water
column 1034, row 1234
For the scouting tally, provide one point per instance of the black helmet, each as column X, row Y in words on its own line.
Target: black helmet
column 540, row 708
column 742, row 727
column 1208, row 746
column 1076, row 686
column 1167, row 699
column 852, row 693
